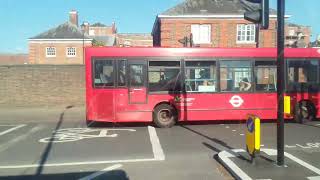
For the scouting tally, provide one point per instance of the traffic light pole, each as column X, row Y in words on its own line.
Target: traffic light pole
column 280, row 81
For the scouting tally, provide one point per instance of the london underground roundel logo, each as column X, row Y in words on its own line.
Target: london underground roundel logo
column 236, row 101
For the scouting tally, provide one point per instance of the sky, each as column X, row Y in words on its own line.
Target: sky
column 22, row 19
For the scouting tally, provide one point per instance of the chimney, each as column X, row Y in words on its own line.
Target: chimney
column 114, row 28
column 73, row 17
column 85, row 28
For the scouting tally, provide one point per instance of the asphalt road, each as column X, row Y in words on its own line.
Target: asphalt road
column 67, row 149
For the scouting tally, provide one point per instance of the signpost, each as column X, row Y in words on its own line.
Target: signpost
column 258, row 13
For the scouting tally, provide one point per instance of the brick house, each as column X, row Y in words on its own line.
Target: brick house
column 297, row 36
column 212, row 23
column 134, row 39
column 60, row 45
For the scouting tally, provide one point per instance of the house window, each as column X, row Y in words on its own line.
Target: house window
column 201, row 33
column 50, row 52
column 91, row 32
column 71, row 52
column 246, row 33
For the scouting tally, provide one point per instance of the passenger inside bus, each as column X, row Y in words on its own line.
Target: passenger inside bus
column 244, row 85
column 106, row 75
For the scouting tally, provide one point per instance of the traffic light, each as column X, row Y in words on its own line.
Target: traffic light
column 257, row 12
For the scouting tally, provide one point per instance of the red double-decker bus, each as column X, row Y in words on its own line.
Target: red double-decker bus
column 166, row 85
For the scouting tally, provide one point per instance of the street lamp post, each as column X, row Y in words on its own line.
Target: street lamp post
column 280, row 81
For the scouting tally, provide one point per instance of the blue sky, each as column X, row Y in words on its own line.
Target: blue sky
column 23, row 19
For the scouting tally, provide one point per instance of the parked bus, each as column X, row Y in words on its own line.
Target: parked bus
column 166, row 85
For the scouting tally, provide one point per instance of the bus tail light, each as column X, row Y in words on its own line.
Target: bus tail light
column 287, row 108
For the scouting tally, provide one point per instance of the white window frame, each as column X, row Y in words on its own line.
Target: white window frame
column 51, row 52
column 71, row 54
column 91, row 32
column 197, row 35
column 243, row 32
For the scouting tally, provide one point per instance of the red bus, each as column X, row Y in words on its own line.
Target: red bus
column 166, row 85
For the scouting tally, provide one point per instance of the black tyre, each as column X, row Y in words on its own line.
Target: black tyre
column 165, row 116
column 303, row 112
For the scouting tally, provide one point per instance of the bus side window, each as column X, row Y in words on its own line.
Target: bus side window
column 122, row 73
column 164, row 76
column 200, row 76
column 265, row 75
column 235, row 75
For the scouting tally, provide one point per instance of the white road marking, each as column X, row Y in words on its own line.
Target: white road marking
column 15, row 140
column 227, row 127
column 77, row 163
column 156, row 146
column 11, row 129
column 304, row 147
column 76, row 134
column 241, row 134
column 308, row 145
column 262, row 145
column 272, row 152
column 96, row 174
column 317, row 124
column 225, row 157
column 314, row 178
column 303, row 163
column 234, row 130
column 235, row 170
column 287, row 146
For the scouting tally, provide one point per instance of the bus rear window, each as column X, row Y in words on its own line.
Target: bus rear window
column 302, row 71
column 302, row 75
column 103, row 73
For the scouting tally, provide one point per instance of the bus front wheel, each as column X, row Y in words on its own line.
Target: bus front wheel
column 165, row 116
column 304, row 111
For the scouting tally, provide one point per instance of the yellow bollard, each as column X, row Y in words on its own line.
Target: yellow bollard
column 253, row 135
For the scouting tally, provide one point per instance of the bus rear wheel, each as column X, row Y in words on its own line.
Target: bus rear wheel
column 165, row 116
column 304, row 111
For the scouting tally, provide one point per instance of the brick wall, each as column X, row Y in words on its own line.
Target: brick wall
column 223, row 33
column 42, row 85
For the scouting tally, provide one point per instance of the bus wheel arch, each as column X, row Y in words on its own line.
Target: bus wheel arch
column 304, row 111
column 165, row 115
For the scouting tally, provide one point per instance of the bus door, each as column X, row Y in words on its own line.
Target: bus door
column 137, row 82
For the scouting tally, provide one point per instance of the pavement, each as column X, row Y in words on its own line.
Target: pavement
column 56, row 144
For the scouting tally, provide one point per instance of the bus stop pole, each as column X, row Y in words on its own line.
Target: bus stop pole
column 280, row 81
